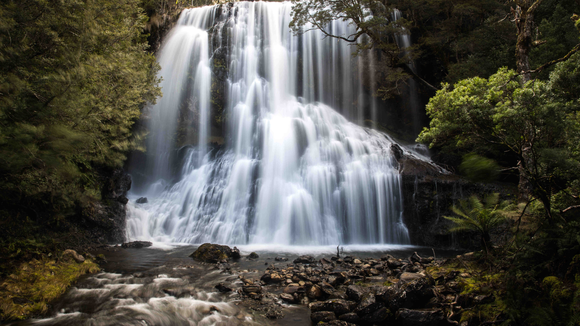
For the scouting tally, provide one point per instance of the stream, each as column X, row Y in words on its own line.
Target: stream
column 161, row 285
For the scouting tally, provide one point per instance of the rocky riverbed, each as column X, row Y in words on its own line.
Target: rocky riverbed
column 142, row 285
column 346, row 290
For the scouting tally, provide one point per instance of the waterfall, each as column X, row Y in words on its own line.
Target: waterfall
column 294, row 170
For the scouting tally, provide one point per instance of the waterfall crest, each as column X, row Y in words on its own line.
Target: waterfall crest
column 294, row 169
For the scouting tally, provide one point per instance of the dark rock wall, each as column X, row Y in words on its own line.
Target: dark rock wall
column 104, row 220
column 427, row 199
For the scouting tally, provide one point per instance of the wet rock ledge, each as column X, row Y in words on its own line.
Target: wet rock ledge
column 356, row 291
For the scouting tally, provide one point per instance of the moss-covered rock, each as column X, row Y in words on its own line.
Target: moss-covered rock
column 213, row 253
column 36, row 283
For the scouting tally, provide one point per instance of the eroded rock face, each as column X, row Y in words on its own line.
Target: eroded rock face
column 214, row 253
column 105, row 219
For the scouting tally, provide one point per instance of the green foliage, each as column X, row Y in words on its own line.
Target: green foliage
column 74, row 75
column 38, row 282
column 371, row 18
column 478, row 168
column 537, row 122
column 475, row 215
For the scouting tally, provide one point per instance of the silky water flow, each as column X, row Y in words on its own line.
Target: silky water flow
column 297, row 167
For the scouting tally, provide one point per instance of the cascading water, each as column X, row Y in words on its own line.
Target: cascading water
column 293, row 171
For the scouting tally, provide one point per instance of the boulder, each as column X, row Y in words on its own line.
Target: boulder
column 408, row 277
column 136, row 244
column 338, row 323
column 142, row 200
column 212, row 253
column 428, row 317
column 393, row 263
column 338, row 306
column 293, row 288
column 304, row 260
column 350, row 317
column 287, row 297
column 235, row 254
column 324, row 316
column 314, row 292
column 376, row 317
column 411, row 295
column 367, row 305
column 223, row 288
column 271, row 278
column 253, row 255
column 71, row 254
column 326, row 288
column 355, row 292
column 252, row 288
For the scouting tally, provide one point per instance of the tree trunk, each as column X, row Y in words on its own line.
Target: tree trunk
column 525, row 187
column 524, row 19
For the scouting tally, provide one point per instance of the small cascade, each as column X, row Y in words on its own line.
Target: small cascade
column 294, row 169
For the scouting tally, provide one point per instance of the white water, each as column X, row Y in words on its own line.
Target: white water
column 294, row 171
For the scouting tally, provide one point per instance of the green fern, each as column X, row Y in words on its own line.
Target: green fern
column 475, row 215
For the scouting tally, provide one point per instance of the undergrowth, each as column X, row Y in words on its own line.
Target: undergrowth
column 30, row 289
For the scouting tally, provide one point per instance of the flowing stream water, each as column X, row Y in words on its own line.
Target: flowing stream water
column 293, row 170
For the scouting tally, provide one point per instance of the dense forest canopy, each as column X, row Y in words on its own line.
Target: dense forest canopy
column 74, row 76
column 452, row 41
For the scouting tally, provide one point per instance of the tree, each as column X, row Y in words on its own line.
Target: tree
column 74, row 75
column 481, row 217
column 500, row 114
column 446, row 34
column 375, row 19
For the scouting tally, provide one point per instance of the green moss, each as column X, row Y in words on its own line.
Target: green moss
column 38, row 282
column 483, row 312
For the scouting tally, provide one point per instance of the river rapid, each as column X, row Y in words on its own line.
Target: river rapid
column 161, row 285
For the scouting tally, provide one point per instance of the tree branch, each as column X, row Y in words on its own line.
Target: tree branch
column 570, row 208
column 553, row 62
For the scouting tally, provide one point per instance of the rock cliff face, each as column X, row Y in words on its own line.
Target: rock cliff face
column 105, row 219
column 427, row 198
column 429, row 192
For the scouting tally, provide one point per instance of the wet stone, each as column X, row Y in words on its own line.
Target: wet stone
column 338, row 306
column 367, row 304
column 377, row 316
column 411, row 317
column 223, row 288
column 393, row 263
column 253, row 255
column 324, row 316
column 314, row 292
column 304, row 260
column 287, row 297
column 350, row 317
column 408, row 277
column 142, row 200
column 252, row 289
column 354, row 292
